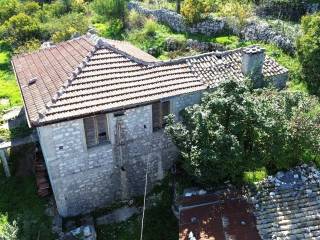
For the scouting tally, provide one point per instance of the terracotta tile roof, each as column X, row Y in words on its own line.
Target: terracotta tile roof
column 90, row 75
column 287, row 206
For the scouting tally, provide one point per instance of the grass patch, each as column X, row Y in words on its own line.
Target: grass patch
column 9, row 88
column 251, row 177
column 20, row 204
column 157, row 218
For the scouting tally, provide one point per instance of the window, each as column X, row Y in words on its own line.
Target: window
column 96, row 130
column 159, row 111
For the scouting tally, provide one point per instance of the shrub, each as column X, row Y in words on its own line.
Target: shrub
column 308, row 49
column 65, row 27
column 8, row 231
column 28, row 46
column 135, row 20
column 30, row 8
column 150, row 27
column 234, row 131
column 110, row 8
column 8, row 8
column 115, row 29
column 20, row 29
column 194, row 11
column 236, row 12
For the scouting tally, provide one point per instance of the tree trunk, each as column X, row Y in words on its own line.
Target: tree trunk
column 178, row 6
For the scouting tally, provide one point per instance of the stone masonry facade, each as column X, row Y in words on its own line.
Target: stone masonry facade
column 84, row 178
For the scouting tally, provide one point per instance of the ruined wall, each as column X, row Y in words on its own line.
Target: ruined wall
column 83, row 179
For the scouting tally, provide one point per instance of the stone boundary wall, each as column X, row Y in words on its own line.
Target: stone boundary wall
column 254, row 29
column 176, row 22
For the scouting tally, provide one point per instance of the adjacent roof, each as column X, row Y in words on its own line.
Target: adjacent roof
column 217, row 216
column 90, row 75
column 287, row 206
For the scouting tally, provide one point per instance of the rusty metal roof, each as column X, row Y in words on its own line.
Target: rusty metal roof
column 89, row 75
column 217, row 216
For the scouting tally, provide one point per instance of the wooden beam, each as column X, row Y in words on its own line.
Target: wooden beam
column 3, row 157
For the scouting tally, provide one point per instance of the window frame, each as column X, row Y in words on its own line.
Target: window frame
column 97, row 140
column 160, row 121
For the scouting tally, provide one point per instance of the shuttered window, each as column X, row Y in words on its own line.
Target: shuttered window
column 159, row 111
column 96, row 130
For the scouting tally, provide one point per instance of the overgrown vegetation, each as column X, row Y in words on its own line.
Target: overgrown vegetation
column 158, row 216
column 22, row 212
column 235, row 130
column 308, row 45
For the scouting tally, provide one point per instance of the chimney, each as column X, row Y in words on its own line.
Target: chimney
column 252, row 64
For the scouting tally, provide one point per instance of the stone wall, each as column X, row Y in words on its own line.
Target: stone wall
column 175, row 21
column 263, row 32
column 254, row 29
column 83, row 179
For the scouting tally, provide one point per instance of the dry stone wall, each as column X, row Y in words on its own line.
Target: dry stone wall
column 254, row 29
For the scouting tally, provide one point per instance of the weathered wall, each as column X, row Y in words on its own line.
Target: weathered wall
column 83, row 179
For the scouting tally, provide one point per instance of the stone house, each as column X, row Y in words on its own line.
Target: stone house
column 98, row 107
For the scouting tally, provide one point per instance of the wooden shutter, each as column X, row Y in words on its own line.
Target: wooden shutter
column 165, row 109
column 156, row 116
column 90, row 131
column 102, row 129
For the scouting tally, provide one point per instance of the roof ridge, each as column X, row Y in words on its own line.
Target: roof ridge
column 103, row 42
column 183, row 59
column 42, row 113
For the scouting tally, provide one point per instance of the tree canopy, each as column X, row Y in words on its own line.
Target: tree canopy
column 308, row 48
column 234, row 130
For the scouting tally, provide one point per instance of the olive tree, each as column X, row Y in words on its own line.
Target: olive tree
column 234, row 130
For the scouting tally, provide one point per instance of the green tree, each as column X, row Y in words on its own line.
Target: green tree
column 308, row 48
column 8, row 8
column 20, row 29
column 234, row 130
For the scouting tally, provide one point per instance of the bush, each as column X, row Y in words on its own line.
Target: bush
column 65, row 27
column 28, row 46
column 194, row 11
column 20, row 29
column 30, row 8
column 236, row 12
column 110, row 8
column 308, row 48
column 135, row 20
column 8, row 8
column 234, row 131
column 115, row 29
column 8, row 231
column 150, row 28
